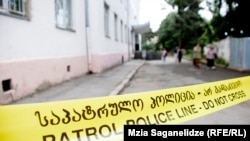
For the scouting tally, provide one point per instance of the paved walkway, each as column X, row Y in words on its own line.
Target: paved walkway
column 110, row 82
column 158, row 75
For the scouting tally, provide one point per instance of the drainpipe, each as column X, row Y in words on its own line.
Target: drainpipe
column 88, row 51
column 89, row 60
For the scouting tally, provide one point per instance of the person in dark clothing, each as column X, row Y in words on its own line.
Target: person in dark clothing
column 179, row 54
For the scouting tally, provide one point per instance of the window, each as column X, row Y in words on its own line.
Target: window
column 125, row 4
column 1, row 3
column 106, row 19
column 131, row 37
column 13, row 7
column 121, row 31
column 116, row 26
column 125, row 34
column 6, row 85
column 63, row 11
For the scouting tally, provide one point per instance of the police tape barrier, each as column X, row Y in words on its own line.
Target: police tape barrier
column 103, row 118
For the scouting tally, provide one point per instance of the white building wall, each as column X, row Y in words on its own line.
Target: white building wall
column 101, row 44
column 134, row 9
column 39, row 38
column 106, row 51
column 35, row 54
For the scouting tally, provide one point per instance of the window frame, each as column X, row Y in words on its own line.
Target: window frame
column 116, row 26
column 125, row 33
column 121, row 28
column 106, row 19
column 15, row 8
column 64, row 15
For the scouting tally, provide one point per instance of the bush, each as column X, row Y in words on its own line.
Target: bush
column 221, row 61
column 148, row 47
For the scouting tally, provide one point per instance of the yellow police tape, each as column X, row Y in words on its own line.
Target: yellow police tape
column 103, row 118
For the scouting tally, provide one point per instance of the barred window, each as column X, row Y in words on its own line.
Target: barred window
column 13, row 7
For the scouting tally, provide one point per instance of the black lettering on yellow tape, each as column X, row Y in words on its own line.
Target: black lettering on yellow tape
column 103, row 118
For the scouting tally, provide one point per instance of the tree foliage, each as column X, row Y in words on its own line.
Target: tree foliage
column 181, row 28
column 147, row 36
column 185, row 27
column 235, row 22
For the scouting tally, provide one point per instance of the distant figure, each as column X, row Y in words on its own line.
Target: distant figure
column 210, row 55
column 175, row 54
column 164, row 54
column 197, row 56
column 179, row 54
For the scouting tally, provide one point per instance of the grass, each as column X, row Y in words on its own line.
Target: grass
column 218, row 61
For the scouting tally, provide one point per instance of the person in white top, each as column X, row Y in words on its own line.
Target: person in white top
column 210, row 56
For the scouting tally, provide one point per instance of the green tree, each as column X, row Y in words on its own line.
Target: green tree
column 167, row 34
column 234, row 22
column 182, row 28
column 147, row 36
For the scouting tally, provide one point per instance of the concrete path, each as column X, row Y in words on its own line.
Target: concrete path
column 110, row 82
column 157, row 75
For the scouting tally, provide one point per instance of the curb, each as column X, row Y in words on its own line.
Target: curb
column 122, row 85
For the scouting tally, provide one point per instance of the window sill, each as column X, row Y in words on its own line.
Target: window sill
column 9, row 92
column 66, row 28
column 16, row 16
column 107, row 36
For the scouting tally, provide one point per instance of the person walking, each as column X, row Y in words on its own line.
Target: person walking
column 197, row 56
column 210, row 56
column 175, row 54
column 164, row 54
column 179, row 54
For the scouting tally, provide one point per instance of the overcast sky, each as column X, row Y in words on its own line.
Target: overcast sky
column 154, row 11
